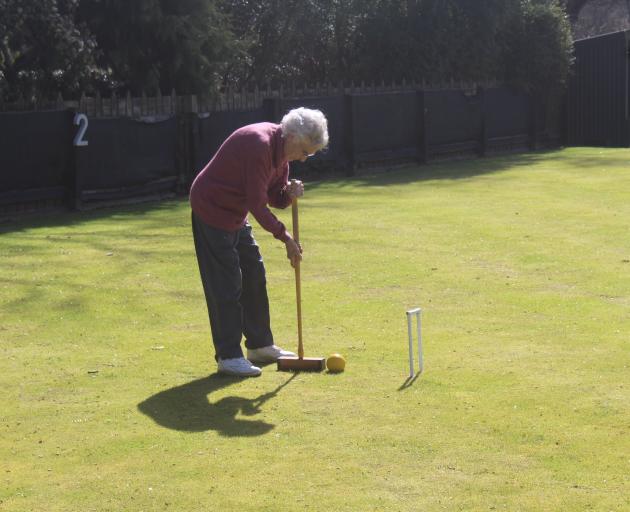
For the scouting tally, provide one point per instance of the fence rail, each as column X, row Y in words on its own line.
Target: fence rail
column 98, row 150
column 226, row 99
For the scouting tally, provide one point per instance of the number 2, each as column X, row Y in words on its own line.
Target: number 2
column 81, row 121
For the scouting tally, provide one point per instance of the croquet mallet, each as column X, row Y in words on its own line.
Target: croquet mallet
column 299, row 363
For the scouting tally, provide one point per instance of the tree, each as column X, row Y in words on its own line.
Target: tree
column 538, row 47
column 291, row 39
column 573, row 7
column 193, row 46
column 434, row 40
column 43, row 51
column 161, row 44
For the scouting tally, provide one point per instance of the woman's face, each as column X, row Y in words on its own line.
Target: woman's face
column 297, row 149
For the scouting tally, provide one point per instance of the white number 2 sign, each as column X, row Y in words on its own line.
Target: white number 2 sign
column 81, row 121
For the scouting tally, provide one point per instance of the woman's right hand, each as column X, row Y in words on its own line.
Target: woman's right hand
column 294, row 252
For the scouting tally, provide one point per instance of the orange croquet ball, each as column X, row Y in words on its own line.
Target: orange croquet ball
column 335, row 363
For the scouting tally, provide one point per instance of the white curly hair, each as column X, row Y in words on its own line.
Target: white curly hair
column 306, row 124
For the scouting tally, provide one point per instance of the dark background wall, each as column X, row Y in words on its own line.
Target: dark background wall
column 597, row 97
column 36, row 155
column 124, row 155
column 161, row 154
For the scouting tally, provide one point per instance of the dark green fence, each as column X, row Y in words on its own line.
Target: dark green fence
column 81, row 159
column 599, row 92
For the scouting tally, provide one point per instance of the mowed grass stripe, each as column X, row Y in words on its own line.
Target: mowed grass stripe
column 521, row 264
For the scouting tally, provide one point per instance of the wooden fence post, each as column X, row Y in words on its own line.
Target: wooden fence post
column 533, row 123
column 271, row 109
column 187, row 135
column 564, row 119
column 350, row 148
column 423, row 128
column 98, row 105
column 483, row 134
column 173, row 103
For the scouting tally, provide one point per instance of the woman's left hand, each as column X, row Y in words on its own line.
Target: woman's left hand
column 295, row 188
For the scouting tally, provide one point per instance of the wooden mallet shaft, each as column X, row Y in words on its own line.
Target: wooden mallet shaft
column 299, row 363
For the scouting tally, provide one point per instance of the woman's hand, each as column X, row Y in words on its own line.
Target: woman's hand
column 294, row 252
column 295, row 188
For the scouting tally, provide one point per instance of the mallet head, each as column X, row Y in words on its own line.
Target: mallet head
column 305, row 364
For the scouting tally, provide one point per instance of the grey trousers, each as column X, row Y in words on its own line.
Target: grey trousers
column 235, row 287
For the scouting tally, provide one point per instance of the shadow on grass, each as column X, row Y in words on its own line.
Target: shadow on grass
column 409, row 382
column 450, row 170
column 587, row 158
column 187, row 408
column 438, row 170
column 151, row 214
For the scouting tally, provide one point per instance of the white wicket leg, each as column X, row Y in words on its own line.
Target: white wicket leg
column 414, row 312
column 410, row 335
column 420, row 359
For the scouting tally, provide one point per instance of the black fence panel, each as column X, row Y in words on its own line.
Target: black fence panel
column 454, row 120
column 215, row 127
column 508, row 113
column 598, row 92
column 550, row 121
column 509, row 120
column 385, row 125
column 126, row 157
column 131, row 158
column 35, row 156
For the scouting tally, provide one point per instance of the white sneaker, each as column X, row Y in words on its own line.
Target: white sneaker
column 268, row 354
column 238, row 366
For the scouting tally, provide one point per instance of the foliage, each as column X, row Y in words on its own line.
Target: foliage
column 573, row 7
column 42, row 49
column 538, row 47
column 194, row 46
column 160, row 44
column 431, row 39
column 434, row 40
column 298, row 39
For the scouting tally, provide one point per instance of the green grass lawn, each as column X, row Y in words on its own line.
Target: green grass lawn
column 110, row 400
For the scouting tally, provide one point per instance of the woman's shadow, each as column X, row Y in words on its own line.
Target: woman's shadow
column 187, row 408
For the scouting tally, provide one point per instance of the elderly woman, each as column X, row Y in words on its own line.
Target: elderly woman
column 249, row 172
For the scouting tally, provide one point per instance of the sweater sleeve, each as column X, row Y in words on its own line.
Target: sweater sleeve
column 258, row 171
column 278, row 197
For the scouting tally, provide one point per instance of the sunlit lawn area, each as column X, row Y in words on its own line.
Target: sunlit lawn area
column 521, row 264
